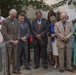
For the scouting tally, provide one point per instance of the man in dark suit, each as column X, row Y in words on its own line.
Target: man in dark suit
column 39, row 31
column 23, row 43
column 29, row 24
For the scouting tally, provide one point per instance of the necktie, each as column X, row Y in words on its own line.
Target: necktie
column 22, row 26
column 39, row 24
column 64, row 25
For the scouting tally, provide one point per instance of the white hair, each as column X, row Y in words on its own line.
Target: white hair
column 12, row 11
column 63, row 13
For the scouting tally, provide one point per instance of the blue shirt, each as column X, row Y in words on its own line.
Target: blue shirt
column 64, row 25
column 52, row 31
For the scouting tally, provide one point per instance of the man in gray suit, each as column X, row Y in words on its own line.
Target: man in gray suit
column 10, row 32
column 64, row 31
column 23, row 43
column 39, row 31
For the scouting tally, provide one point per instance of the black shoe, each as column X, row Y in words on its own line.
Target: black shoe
column 45, row 67
column 27, row 68
column 70, row 70
column 29, row 64
column 61, row 70
column 36, row 67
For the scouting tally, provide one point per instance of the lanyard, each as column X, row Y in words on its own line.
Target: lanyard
column 39, row 21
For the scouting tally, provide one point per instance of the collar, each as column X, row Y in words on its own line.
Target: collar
column 10, row 18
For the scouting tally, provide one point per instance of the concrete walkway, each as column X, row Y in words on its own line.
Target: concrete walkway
column 41, row 70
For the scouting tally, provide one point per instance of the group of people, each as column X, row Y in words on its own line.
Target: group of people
column 17, row 31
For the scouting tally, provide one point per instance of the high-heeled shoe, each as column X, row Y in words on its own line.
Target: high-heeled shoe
column 55, row 66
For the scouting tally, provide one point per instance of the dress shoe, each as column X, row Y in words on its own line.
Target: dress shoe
column 61, row 70
column 27, row 68
column 55, row 66
column 45, row 67
column 29, row 64
column 36, row 67
column 70, row 70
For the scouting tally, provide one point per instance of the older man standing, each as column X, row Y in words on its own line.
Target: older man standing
column 64, row 31
column 10, row 31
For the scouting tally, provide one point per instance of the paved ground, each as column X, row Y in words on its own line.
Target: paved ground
column 41, row 71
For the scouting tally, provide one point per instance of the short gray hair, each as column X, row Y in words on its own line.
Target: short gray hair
column 63, row 13
column 38, row 12
column 12, row 11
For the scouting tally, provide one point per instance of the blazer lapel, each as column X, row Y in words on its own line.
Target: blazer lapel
column 10, row 24
column 15, row 25
column 61, row 26
column 67, row 26
column 21, row 27
column 36, row 26
column 41, row 24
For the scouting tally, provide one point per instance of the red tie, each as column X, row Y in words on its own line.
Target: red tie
column 38, row 27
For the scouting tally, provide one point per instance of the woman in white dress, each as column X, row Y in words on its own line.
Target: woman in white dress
column 53, row 39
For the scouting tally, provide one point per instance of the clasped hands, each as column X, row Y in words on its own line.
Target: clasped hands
column 65, row 39
column 16, row 41
column 38, row 36
column 23, row 39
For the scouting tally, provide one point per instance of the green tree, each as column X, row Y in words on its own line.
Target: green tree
column 6, row 5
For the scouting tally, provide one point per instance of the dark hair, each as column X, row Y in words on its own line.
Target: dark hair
column 23, row 11
column 21, row 14
column 51, row 13
column 38, row 12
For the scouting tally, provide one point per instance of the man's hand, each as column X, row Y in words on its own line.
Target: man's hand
column 14, row 42
column 65, row 39
column 38, row 36
column 23, row 39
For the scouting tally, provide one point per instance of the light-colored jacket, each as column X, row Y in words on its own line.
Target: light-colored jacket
column 60, row 33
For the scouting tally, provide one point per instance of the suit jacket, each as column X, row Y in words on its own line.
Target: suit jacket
column 43, row 31
column 60, row 33
column 10, row 31
column 24, row 32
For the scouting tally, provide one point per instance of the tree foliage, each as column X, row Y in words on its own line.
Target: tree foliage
column 6, row 5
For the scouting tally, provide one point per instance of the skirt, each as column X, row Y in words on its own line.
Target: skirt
column 55, row 49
